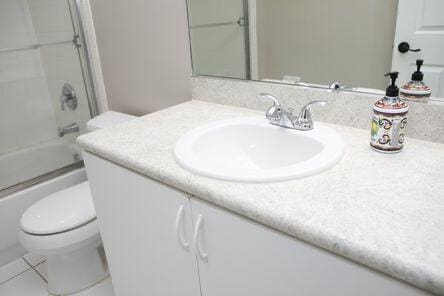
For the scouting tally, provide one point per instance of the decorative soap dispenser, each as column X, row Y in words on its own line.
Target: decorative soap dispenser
column 389, row 120
column 416, row 89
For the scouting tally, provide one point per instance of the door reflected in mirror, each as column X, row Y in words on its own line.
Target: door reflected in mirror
column 317, row 42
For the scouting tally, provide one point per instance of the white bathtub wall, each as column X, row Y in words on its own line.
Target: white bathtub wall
column 52, row 22
column 26, row 113
column 22, row 165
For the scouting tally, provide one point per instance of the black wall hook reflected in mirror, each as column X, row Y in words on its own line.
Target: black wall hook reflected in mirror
column 404, row 47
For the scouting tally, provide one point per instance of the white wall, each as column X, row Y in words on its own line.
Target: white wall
column 322, row 41
column 144, row 53
column 26, row 113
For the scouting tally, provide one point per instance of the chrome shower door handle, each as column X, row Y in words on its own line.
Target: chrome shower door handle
column 242, row 22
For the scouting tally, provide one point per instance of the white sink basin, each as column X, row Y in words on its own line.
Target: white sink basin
column 252, row 150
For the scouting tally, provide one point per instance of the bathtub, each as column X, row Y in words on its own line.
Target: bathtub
column 19, row 166
column 26, row 164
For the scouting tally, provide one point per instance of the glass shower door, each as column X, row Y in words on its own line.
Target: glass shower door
column 44, row 103
column 219, row 37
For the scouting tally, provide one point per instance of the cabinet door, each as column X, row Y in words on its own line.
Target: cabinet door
column 147, row 253
column 239, row 257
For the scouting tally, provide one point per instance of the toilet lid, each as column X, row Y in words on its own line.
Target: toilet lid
column 61, row 211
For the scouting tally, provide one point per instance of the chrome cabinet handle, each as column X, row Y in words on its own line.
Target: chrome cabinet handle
column 180, row 228
column 198, row 238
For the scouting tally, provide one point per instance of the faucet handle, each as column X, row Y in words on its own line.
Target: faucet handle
column 268, row 96
column 309, row 104
column 273, row 109
column 63, row 101
column 68, row 97
column 305, row 115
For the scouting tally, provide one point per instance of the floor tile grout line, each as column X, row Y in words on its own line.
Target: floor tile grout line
column 16, row 276
column 34, row 268
column 30, row 264
column 26, row 261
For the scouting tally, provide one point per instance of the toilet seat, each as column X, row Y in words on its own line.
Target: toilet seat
column 64, row 242
column 59, row 212
column 61, row 222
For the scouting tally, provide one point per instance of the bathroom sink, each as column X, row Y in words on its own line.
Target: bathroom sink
column 252, row 150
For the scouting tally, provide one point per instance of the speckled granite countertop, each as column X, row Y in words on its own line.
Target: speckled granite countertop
column 383, row 211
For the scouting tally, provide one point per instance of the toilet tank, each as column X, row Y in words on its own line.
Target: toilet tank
column 107, row 119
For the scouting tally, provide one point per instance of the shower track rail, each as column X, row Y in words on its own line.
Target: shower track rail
column 37, row 46
column 39, row 179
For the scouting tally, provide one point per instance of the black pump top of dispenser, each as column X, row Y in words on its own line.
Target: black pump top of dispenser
column 392, row 90
column 418, row 75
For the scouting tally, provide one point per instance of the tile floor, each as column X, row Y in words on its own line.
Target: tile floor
column 26, row 276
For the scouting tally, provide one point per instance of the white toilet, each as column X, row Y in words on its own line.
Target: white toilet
column 63, row 227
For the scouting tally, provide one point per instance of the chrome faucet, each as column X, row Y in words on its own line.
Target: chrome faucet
column 71, row 128
column 336, row 86
column 285, row 118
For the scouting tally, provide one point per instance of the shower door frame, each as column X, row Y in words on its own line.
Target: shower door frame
column 246, row 17
column 83, row 51
column 79, row 41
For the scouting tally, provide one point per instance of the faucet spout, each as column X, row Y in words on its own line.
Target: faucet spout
column 71, row 128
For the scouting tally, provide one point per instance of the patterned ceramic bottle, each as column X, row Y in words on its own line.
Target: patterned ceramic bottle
column 389, row 120
column 416, row 88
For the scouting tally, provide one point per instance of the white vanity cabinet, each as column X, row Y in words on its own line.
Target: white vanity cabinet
column 147, row 254
column 243, row 257
column 161, row 243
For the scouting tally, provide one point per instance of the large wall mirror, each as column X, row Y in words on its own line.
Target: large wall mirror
column 317, row 42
